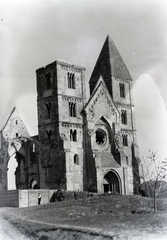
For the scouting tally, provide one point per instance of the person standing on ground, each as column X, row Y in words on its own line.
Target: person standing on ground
column 39, row 198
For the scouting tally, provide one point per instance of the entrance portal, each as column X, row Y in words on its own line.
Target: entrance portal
column 112, row 182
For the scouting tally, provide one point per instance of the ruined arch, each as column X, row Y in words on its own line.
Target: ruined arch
column 11, row 168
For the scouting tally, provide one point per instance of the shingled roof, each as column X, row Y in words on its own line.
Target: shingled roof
column 109, row 63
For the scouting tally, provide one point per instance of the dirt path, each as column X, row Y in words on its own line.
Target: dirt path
column 8, row 232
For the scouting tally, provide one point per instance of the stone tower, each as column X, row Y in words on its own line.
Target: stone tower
column 61, row 97
column 111, row 68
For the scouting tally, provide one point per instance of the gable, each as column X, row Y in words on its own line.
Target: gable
column 101, row 104
column 14, row 127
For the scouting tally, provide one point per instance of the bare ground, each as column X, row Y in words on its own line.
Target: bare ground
column 93, row 218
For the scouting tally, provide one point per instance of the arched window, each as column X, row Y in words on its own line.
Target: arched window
column 33, row 184
column 72, row 109
column 123, row 116
column 33, row 147
column 49, row 134
column 125, row 140
column 122, row 90
column 127, row 160
column 73, row 135
column 71, row 80
column 48, row 81
column 76, row 159
column 48, row 107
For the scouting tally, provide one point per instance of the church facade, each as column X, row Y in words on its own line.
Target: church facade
column 87, row 145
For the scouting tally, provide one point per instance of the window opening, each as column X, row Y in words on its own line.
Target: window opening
column 123, row 116
column 72, row 109
column 49, row 134
column 71, row 80
column 125, row 140
column 33, row 147
column 73, row 135
column 48, row 81
column 76, row 159
column 127, row 160
column 48, row 106
column 100, row 137
column 122, row 90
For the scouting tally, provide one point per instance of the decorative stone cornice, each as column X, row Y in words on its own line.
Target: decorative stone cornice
column 127, row 131
column 124, row 105
column 72, row 99
column 70, row 68
column 73, row 125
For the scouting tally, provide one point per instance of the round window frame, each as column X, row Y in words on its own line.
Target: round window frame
column 105, row 137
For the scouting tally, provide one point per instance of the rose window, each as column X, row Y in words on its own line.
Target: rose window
column 101, row 137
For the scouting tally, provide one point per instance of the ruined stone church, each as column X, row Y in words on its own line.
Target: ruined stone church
column 87, row 145
column 82, row 145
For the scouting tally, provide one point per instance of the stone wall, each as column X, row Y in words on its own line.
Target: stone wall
column 13, row 129
column 30, row 197
column 9, row 198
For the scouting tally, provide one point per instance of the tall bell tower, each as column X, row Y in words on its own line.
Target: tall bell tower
column 118, row 80
column 61, row 97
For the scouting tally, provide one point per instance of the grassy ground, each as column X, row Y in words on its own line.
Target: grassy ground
column 113, row 217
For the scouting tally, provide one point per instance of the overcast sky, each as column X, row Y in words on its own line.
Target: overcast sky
column 34, row 33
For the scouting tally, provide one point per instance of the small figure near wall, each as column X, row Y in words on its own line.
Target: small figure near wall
column 39, row 198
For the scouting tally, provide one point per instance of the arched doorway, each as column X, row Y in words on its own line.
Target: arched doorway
column 112, row 182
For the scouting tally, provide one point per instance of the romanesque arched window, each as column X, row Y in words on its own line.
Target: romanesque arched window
column 122, row 90
column 33, row 147
column 123, row 116
column 73, row 135
column 33, row 184
column 49, row 134
column 76, row 159
column 125, row 140
column 127, row 160
column 72, row 109
column 48, row 107
column 48, row 81
column 71, row 80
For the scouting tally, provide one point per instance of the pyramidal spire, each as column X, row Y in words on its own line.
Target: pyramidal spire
column 109, row 64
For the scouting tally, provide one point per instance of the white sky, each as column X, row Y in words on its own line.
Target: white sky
column 34, row 33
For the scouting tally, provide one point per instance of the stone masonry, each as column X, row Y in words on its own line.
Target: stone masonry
column 87, row 145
